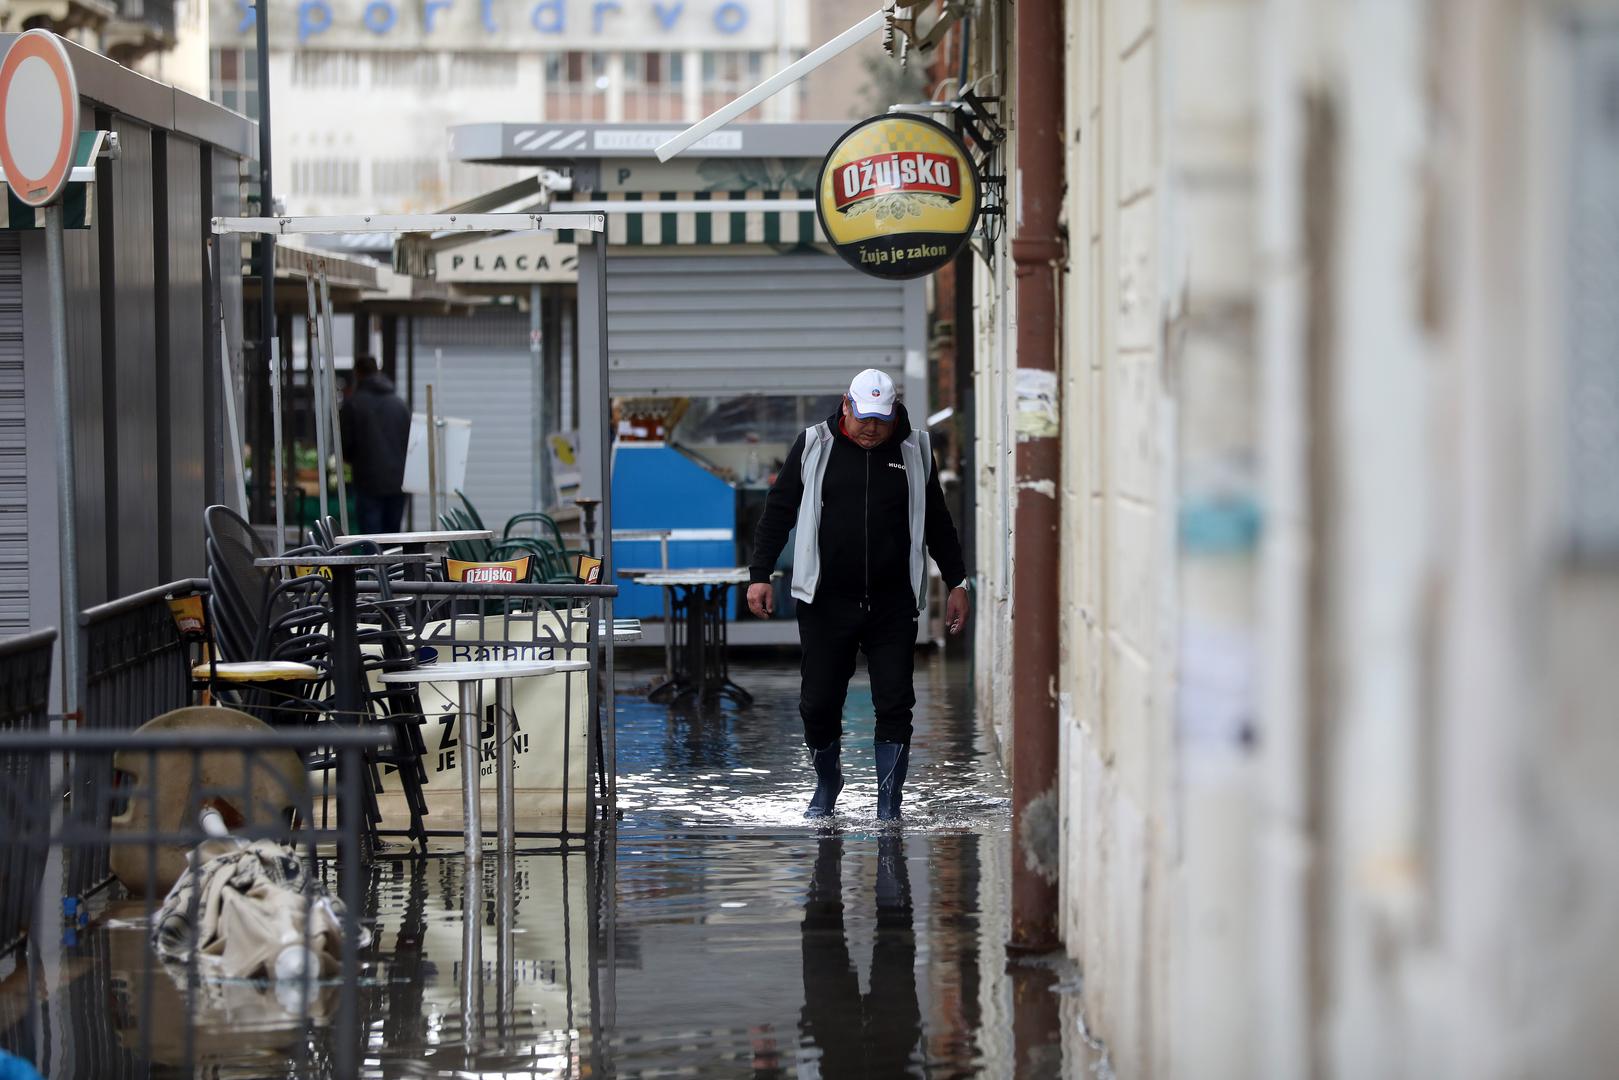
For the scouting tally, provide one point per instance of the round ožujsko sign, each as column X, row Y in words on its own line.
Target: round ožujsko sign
column 897, row 196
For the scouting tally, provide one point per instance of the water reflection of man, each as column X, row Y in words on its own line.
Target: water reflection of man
column 870, row 1035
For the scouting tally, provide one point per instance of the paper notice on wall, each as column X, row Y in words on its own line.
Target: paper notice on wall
column 1036, row 404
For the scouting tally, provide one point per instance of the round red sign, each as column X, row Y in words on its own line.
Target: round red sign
column 39, row 117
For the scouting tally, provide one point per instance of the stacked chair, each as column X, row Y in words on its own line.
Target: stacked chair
column 257, row 615
column 553, row 561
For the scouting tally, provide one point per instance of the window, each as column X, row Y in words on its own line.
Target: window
column 575, row 86
column 653, row 87
column 768, row 418
column 326, row 176
column 403, row 176
column 404, row 69
column 325, row 67
column 233, row 80
column 483, row 69
column 727, row 74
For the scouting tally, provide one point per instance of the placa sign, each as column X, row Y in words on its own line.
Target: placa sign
column 898, row 196
column 523, row 258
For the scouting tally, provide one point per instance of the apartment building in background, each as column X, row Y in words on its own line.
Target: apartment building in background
column 364, row 91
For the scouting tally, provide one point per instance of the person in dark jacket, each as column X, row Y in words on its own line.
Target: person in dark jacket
column 863, row 491
column 376, row 430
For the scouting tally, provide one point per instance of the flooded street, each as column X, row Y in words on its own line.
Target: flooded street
column 717, row 934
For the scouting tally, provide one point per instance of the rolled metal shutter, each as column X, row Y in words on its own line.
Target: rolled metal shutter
column 488, row 379
column 13, row 444
column 722, row 324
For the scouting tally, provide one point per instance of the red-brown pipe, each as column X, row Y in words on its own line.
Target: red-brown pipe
column 1038, row 255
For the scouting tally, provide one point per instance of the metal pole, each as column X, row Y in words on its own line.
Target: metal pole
column 66, row 485
column 261, row 33
column 233, row 429
column 536, row 346
column 668, row 613
column 505, row 813
column 410, row 400
column 351, row 820
column 1038, row 256
column 441, row 461
column 432, row 461
column 471, row 730
column 505, row 959
column 280, row 453
column 316, row 385
column 471, row 955
column 606, row 407
column 330, row 344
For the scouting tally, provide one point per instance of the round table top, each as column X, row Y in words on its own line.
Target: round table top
column 693, row 575
column 440, row 536
column 623, row 629
column 484, row 669
column 344, row 560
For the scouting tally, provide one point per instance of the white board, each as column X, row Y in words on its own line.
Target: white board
column 457, row 435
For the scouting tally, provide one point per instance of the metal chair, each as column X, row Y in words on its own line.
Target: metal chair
column 261, row 618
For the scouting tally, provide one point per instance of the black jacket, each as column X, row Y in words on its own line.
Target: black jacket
column 865, row 519
column 376, row 430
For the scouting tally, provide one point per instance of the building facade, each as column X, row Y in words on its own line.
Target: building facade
column 1337, row 411
column 363, row 94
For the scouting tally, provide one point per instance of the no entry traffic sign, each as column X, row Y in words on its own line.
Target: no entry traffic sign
column 39, row 117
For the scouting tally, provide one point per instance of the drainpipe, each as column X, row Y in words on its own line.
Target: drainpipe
column 1037, row 256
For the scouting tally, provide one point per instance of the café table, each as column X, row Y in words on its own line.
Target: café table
column 698, row 599
column 625, row 631
column 469, row 676
column 422, row 542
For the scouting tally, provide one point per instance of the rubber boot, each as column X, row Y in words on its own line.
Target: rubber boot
column 828, row 780
column 892, row 759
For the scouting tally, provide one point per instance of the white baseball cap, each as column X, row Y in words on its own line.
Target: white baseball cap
column 872, row 394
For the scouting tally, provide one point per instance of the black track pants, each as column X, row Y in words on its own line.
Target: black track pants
column 832, row 630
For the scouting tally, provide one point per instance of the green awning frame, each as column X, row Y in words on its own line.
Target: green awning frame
column 715, row 228
column 78, row 201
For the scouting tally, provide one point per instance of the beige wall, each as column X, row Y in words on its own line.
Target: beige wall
column 1337, row 729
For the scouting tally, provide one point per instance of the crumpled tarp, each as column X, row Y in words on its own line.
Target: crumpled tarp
column 240, row 905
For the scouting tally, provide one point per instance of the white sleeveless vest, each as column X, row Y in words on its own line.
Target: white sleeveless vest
column 917, row 453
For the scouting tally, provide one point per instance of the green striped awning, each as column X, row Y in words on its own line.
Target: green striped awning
column 78, row 201
column 720, row 226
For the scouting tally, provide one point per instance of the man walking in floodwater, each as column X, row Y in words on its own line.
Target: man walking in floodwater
column 863, row 489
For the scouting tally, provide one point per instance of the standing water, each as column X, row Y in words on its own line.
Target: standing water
column 717, row 932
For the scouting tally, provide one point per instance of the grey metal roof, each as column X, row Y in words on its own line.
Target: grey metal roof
column 109, row 83
column 525, row 144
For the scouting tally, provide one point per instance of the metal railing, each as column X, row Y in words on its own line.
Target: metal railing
column 163, row 991
column 25, row 691
column 136, row 666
